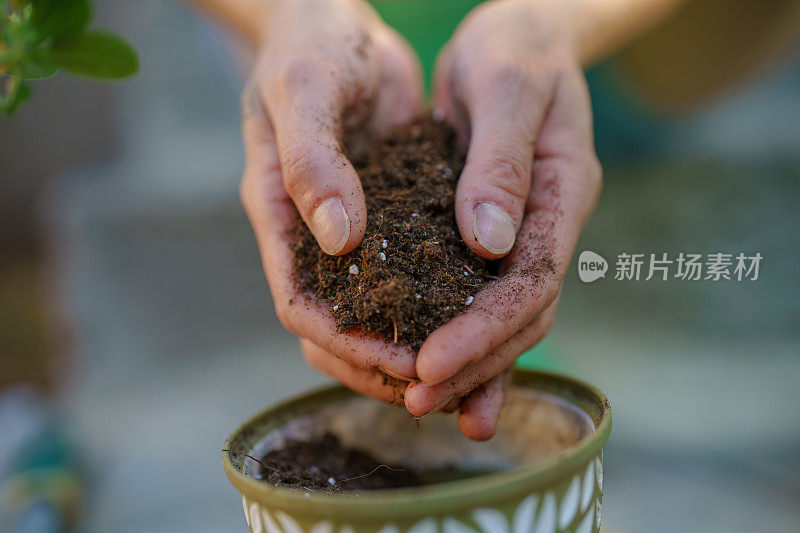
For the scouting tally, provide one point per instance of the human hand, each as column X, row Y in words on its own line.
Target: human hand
column 530, row 89
column 511, row 84
column 324, row 67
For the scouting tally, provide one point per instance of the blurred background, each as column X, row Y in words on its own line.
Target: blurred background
column 132, row 296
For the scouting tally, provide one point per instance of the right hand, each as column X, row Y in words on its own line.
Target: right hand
column 324, row 67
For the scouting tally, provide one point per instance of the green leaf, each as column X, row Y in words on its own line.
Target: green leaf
column 35, row 70
column 17, row 91
column 35, row 66
column 73, row 21
column 60, row 19
column 96, row 55
column 41, row 8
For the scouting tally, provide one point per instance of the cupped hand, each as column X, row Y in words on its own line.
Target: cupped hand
column 511, row 84
column 324, row 67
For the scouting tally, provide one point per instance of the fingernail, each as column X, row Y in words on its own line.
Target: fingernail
column 493, row 227
column 441, row 405
column 436, row 409
column 331, row 225
column 394, row 374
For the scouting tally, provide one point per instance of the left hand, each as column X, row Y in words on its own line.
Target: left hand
column 511, row 84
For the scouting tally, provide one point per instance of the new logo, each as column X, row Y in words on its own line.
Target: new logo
column 591, row 266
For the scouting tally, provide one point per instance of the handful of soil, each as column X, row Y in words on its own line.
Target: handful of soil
column 412, row 272
column 325, row 464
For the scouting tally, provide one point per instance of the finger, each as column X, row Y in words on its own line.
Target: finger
column 566, row 184
column 446, row 107
column 506, row 107
column 498, row 312
column 422, row 399
column 272, row 215
column 480, row 411
column 452, row 406
column 399, row 95
column 304, row 102
column 567, row 132
column 268, row 207
column 308, row 318
column 379, row 386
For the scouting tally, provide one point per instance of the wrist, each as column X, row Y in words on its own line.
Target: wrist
column 597, row 28
column 548, row 25
column 274, row 15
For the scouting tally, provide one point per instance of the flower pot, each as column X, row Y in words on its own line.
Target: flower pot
column 541, row 473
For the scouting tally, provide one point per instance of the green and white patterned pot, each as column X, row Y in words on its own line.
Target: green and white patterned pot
column 536, row 485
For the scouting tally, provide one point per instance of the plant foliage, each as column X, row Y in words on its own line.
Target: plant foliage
column 40, row 37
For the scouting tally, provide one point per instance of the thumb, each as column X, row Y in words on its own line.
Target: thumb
column 505, row 112
column 316, row 173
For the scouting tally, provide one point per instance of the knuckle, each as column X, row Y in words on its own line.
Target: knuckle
column 311, row 357
column 247, row 192
column 547, row 326
column 516, row 76
column 297, row 72
column 297, row 167
column 507, row 72
column 285, row 315
column 594, row 173
column 511, row 174
column 280, row 312
column 248, row 100
column 549, row 323
column 244, row 192
column 551, row 293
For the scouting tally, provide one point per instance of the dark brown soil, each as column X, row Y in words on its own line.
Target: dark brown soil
column 412, row 272
column 325, row 464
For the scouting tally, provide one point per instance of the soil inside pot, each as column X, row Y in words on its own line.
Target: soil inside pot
column 325, row 464
column 412, row 272
column 360, row 444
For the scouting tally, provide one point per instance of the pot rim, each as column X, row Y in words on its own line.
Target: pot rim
column 436, row 498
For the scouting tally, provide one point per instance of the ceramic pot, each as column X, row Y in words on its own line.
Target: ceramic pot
column 541, row 473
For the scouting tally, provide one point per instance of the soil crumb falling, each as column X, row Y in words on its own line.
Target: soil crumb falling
column 412, row 272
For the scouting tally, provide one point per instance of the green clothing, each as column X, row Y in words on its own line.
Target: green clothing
column 426, row 24
column 623, row 124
